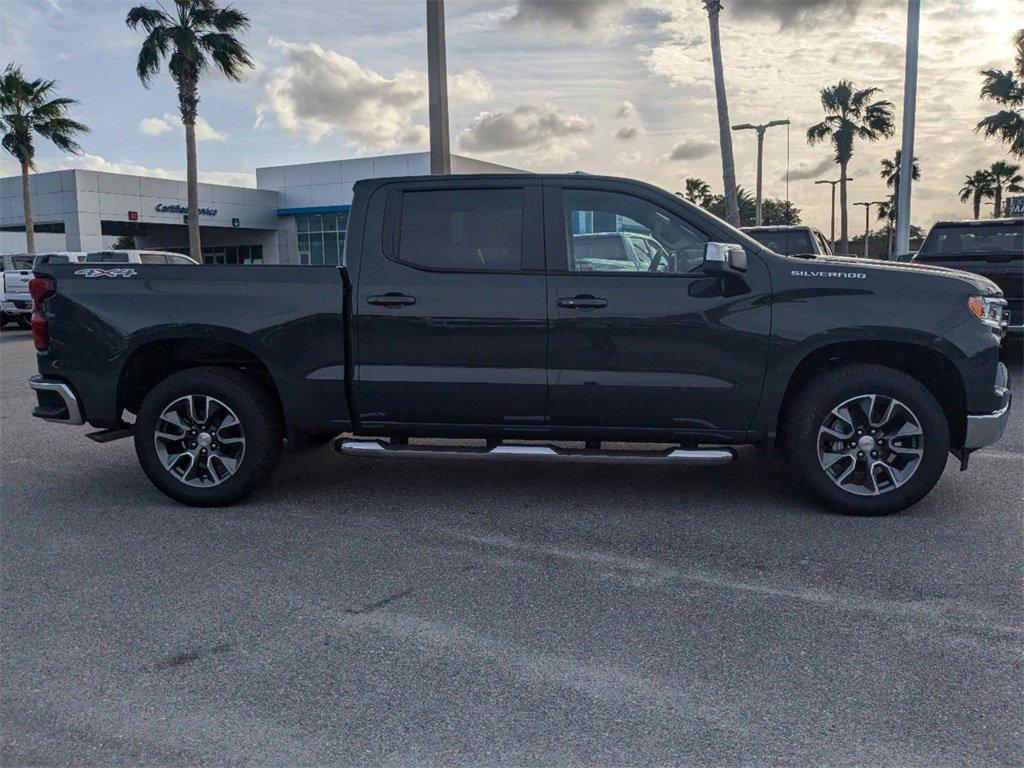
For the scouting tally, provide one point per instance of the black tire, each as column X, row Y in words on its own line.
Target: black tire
column 23, row 322
column 4, row 319
column 250, row 403
column 813, row 406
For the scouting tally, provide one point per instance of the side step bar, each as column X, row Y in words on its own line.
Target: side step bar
column 676, row 456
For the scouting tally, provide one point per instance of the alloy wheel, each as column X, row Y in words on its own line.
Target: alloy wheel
column 870, row 444
column 199, row 440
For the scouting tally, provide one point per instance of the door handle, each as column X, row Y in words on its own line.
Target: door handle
column 582, row 302
column 391, row 300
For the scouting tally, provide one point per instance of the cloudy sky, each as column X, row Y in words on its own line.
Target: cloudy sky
column 605, row 86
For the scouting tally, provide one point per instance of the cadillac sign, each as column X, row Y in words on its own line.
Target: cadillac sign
column 175, row 208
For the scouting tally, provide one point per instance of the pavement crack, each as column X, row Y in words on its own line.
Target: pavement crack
column 382, row 603
column 186, row 657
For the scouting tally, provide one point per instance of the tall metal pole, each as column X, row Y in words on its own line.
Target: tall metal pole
column 760, row 155
column 437, row 84
column 832, row 235
column 909, row 116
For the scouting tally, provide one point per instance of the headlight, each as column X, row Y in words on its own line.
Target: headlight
column 987, row 309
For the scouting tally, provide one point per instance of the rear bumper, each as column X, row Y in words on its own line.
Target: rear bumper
column 17, row 305
column 987, row 428
column 57, row 401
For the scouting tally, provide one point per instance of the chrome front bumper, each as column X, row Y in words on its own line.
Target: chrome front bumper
column 986, row 428
column 57, row 401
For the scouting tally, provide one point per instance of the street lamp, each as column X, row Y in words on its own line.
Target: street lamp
column 832, row 232
column 867, row 221
column 760, row 150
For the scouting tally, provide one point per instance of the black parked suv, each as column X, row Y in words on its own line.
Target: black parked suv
column 993, row 248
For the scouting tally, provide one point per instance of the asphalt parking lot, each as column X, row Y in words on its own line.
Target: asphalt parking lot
column 376, row 612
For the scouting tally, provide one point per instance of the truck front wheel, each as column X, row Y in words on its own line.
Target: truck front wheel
column 208, row 437
column 866, row 439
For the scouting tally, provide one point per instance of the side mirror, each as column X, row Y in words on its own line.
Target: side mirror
column 724, row 258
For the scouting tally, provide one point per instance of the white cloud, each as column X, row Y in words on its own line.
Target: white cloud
column 692, row 149
column 320, row 91
column 580, row 15
column 625, row 110
column 629, row 158
column 809, row 169
column 627, row 132
column 556, row 133
column 157, row 126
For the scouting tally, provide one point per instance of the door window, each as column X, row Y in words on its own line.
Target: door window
column 613, row 232
column 479, row 230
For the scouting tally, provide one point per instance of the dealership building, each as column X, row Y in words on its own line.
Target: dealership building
column 296, row 214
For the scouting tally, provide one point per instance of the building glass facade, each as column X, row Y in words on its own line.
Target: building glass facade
column 322, row 237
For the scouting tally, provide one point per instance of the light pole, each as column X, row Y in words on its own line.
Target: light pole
column 867, row 221
column 832, row 231
column 909, row 110
column 437, row 87
column 760, row 153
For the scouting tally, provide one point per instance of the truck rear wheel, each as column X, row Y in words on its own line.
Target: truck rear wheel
column 208, row 437
column 867, row 440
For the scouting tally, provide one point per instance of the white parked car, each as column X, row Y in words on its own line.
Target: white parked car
column 114, row 256
column 15, row 272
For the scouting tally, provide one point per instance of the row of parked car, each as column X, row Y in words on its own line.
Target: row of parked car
column 17, row 269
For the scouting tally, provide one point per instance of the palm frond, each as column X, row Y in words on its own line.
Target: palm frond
column 1002, row 87
column 147, row 18
column 227, row 52
column 1008, row 127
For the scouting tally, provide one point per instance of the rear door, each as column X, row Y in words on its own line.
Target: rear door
column 450, row 306
column 662, row 348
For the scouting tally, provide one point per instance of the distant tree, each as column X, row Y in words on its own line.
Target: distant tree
column 1006, row 88
column 850, row 114
column 28, row 108
column 891, row 176
column 977, row 186
column 697, row 191
column 124, row 243
column 190, row 36
column 774, row 211
column 1005, row 176
column 718, row 205
column 732, row 211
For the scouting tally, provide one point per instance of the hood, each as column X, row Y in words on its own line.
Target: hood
column 982, row 285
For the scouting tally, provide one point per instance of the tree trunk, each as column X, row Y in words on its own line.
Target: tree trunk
column 999, row 201
column 26, row 199
column 195, row 248
column 844, row 228
column 977, row 205
column 724, row 131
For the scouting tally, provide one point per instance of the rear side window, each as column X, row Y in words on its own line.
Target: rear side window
column 479, row 230
column 152, row 258
column 106, row 257
column 973, row 242
column 181, row 261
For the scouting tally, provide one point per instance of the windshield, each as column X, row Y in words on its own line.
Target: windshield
column 18, row 262
column 992, row 242
column 786, row 242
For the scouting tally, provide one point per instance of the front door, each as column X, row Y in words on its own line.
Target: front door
column 451, row 309
column 640, row 337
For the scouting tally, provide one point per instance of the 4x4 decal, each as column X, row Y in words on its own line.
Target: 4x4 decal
column 97, row 272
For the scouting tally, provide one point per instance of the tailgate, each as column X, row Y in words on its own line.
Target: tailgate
column 16, row 281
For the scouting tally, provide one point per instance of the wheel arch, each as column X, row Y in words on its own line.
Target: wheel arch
column 153, row 360
column 934, row 370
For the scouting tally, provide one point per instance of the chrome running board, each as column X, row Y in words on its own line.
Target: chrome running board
column 690, row 456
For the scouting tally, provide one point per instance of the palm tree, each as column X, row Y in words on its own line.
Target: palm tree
column 1004, row 176
column 194, row 34
column 891, row 175
column 977, row 186
column 697, row 191
column 29, row 108
column 850, row 114
column 1006, row 88
column 714, row 9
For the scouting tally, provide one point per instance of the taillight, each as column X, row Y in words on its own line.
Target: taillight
column 40, row 288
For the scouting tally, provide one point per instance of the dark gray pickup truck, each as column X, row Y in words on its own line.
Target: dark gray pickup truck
column 474, row 307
